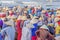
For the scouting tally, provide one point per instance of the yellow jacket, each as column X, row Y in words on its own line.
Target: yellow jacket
column 57, row 30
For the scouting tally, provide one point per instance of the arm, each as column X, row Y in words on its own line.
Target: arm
column 38, row 35
column 51, row 36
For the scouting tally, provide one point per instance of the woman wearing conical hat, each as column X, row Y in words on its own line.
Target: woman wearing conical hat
column 34, row 21
column 9, row 30
column 19, row 25
column 26, row 30
column 43, row 34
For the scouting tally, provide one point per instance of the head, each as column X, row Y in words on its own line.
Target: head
column 25, row 13
column 44, row 11
column 40, row 19
column 10, row 12
column 52, row 10
column 28, row 17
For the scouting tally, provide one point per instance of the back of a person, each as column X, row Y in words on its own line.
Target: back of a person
column 43, row 34
column 10, row 32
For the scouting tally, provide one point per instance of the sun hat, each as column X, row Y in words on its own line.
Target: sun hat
column 19, row 17
column 35, row 17
column 9, row 22
column 40, row 18
column 24, row 18
column 56, row 19
column 34, row 20
column 13, row 17
column 50, row 24
column 44, row 27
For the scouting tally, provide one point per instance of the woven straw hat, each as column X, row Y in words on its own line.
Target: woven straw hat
column 13, row 17
column 34, row 20
column 24, row 18
column 58, row 13
column 40, row 18
column 56, row 19
column 50, row 24
column 19, row 17
column 44, row 27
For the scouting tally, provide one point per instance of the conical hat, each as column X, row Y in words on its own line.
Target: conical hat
column 7, row 23
column 58, row 13
column 44, row 27
column 50, row 24
column 13, row 17
column 8, row 16
column 31, row 16
column 56, row 19
column 24, row 18
column 19, row 17
column 40, row 18
column 33, row 21
column 35, row 17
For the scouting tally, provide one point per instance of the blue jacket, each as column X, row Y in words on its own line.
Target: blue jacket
column 34, row 29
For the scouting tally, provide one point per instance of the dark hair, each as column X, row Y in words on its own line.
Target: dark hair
column 28, row 16
column 0, row 27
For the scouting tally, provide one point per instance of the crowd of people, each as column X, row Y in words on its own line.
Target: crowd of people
column 29, row 23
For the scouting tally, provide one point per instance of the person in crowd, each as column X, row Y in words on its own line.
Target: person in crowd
column 52, row 12
column 1, row 25
column 9, row 31
column 19, row 27
column 11, row 13
column 33, row 11
column 40, row 22
column 34, row 21
column 43, row 34
column 26, row 30
column 51, row 28
column 38, row 11
column 58, row 29
column 23, row 22
column 27, row 21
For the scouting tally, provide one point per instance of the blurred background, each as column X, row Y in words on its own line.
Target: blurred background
column 45, row 3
